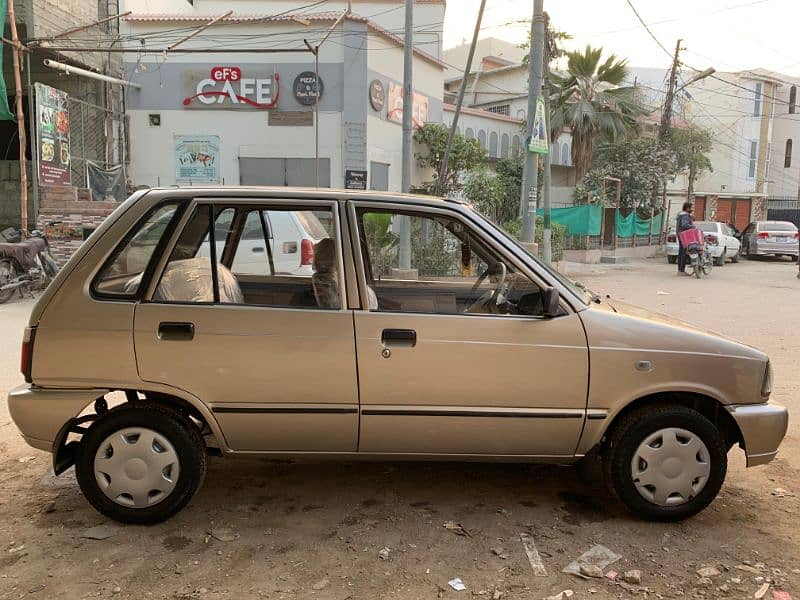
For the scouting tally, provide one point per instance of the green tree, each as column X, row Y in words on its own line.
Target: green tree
column 640, row 163
column 464, row 155
column 591, row 101
column 484, row 190
column 691, row 145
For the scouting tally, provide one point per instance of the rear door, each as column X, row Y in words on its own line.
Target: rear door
column 442, row 368
column 276, row 369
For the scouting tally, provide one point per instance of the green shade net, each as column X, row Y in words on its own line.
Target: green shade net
column 5, row 112
column 632, row 225
column 579, row 220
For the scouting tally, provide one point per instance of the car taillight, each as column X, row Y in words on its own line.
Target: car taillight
column 712, row 239
column 672, row 238
column 306, row 252
column 26, row 356
column 763, row 235
column 797, row 235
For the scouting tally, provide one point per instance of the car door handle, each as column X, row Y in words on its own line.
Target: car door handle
column 176, row 332
column 258, row 249
column 399, row 338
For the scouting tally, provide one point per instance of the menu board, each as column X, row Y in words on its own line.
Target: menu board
column 52, row 136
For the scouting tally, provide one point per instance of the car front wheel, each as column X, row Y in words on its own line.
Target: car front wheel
column 665, row 463
column 672, row 259
column 141, row 463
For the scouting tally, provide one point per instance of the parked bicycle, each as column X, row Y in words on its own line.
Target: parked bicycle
column 25, row 264
column 699, row 259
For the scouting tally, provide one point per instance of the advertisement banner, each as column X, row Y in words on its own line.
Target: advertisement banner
column 394, row 113
column 538, row 143
column 52, row 135
column 197, row 159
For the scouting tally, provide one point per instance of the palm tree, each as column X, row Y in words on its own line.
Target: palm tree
column 589, row 100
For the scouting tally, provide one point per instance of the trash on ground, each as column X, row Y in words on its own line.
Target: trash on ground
column 704, row 582
column 533, row 555
column 456, row 528
column 633, row 576
column 498, row 594
column 457, row 584
column 781, row 595
column 223, row 534
column 778, row 492
column 748, row 569
column 384, row 552
column 26, row 459
column 591, row 571
column 500, row 553
column 565, row 595
column 49, row 507
column 100, row 532
column 708, row 572
column 761, row 592
column 612, row 575
column 597, row 555
column 16, row 549
column 321, row 584
column 662, row 293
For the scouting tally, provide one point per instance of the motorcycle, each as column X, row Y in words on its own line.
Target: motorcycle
column 25, row 264
column 699, row 259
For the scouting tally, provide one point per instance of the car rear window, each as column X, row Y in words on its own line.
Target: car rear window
column 707, row 226
column 776, row 226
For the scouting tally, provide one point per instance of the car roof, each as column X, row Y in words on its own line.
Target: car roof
column 189, row 192
column 773, row 222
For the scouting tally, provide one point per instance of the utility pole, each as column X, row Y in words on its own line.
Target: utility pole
column 666, row 114
column 547, row 232
column 23, row 163
column 462, row 89
column 529, row 173
column 404, row 224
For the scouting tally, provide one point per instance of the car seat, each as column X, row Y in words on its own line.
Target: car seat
column 324, row 279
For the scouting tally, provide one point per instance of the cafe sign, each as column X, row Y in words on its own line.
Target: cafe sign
column 230, row 87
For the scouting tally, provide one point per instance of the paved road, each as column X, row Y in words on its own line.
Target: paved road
column 317, row 530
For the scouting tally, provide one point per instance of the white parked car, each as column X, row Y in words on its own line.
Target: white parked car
column 779, row 238
column 720, row 240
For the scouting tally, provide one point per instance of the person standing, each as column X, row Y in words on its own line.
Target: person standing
column 684, row 222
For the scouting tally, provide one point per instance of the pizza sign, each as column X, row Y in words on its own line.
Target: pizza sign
column 229, row 87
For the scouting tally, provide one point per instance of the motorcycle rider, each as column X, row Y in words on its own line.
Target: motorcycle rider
column 683, row 222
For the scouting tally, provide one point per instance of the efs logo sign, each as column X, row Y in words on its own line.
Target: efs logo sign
column 227, row 87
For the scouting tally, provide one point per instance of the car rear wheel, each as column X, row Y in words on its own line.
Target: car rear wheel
column 665, row 463
column 141, row 463
column 720, row 260
column 672, row 259
column 735, row 257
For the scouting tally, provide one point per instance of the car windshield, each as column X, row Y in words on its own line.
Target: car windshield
column 707, row 226
column 776, row 226
column 578, row 290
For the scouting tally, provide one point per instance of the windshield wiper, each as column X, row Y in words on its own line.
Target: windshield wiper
column 595, row 296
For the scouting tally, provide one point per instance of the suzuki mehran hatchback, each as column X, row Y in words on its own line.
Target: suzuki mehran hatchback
column 420, row 331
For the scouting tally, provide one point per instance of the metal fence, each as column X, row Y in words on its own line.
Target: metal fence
column 784, row 208
column 97, row 134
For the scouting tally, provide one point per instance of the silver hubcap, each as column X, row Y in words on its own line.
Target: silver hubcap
column 136, row 467
column 670, row 467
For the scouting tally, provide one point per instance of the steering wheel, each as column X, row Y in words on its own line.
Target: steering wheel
column 495, row 295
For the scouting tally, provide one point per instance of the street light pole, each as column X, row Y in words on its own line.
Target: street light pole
column 404, row 223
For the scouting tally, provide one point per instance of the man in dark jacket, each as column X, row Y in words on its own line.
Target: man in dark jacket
column 684, row 222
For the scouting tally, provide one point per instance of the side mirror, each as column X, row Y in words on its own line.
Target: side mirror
column 551, row 302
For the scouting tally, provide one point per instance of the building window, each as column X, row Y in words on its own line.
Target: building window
column 757, row 100
column 515, row 146
column 792, row 99
column 565, row 157
column 787, row 157
column 521, row 114
column 504, row 143
column 751, row 167
column 469, row 134
column 493, row 144
column 482, row 138
column 554, row 153
column 500, row 109
column 767, row 161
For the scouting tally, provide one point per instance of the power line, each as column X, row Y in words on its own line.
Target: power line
column 652, row 35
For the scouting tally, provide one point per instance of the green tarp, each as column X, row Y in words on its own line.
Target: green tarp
column 5, row 112
column 579, row 220
column 632, row 225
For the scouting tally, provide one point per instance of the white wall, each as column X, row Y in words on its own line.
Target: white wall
column 785, row 181
column 487, row 125
column 386, row 58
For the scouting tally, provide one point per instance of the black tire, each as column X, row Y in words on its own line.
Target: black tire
column 672, row 259
column 632, row 430
column 182, row 434
column 735, row 257
column 720, row 262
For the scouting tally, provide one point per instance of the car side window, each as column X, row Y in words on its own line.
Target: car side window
column 446, row 269
column 264, row 257
column 121, row 276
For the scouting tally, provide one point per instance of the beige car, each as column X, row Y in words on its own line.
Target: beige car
column 423, row 331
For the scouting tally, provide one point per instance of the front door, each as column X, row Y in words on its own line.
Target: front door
column 271, row 352
column 455, row 356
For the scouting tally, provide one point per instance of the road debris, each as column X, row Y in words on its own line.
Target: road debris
column 500, row 553
column 565, row 595
column 748, row 569
column 25, row 459
column 223, row 534
column 612, row 575
column 321, row 584
column 597, row 555
column 761, row 592
column 708, row 572
column 781, row 493
column 704, row 582
column 100, row 532
column 498, row 594
column 781, row 595
column 634, row 576
column 591, row 571
column 37, row 588
column 662, row 293
column 533, row 555
column 456, row 528
column 457, row 584
column 15, row 549
column 384, row 552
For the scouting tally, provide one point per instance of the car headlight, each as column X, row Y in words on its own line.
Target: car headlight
column 766, row 385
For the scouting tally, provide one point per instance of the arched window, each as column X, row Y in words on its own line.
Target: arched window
column 787, row 157
column 470, row 134
column 521, row 114
column 792, row 99
column 565, row 157
column 515, row 146
column 504, row 141
column 493, row 144
column 482, row 138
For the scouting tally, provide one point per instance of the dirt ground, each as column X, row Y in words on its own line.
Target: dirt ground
column 337, row 531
